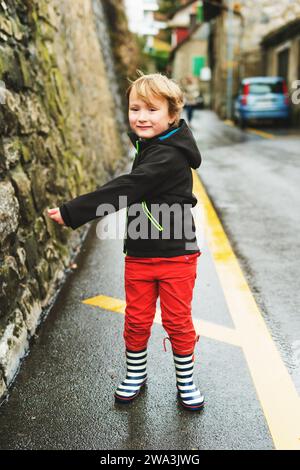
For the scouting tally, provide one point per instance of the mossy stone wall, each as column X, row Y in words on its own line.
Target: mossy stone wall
column 62, row 133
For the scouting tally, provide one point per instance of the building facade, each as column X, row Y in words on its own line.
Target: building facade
column 189, row 45
column 265, row 40
column 141, row 19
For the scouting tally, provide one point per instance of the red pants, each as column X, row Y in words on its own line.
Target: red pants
column 173, row 280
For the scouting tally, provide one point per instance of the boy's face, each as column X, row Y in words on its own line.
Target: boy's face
column 148, row 120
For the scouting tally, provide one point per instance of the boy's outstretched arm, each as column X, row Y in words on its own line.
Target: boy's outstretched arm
column 159, row 165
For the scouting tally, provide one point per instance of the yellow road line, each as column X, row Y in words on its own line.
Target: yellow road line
column 204, row 328
column 107, row 303
column 274, row 386
column 266, row 135
column 229, row 122
column 216, row 332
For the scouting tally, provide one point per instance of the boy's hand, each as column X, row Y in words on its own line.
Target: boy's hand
column 55, row 215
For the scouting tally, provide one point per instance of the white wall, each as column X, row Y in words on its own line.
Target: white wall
column 140, row 16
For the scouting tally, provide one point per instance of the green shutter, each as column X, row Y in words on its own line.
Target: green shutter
column 200, row 12
column 198, row 64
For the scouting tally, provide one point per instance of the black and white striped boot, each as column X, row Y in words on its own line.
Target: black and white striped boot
column 189, row 395
column 136, row 376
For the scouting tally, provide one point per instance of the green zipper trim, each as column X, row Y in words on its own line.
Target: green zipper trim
column 144, row 205
column 150, row 216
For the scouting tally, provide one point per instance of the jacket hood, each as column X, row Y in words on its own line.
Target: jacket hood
column 176, row 136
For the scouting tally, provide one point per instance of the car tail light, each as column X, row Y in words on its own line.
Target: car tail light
column 285, row 92
column 246, row 92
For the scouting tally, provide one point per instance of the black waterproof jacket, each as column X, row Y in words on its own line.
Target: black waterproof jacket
column 157, row 193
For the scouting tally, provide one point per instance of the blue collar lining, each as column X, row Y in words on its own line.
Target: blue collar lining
column 169, row 134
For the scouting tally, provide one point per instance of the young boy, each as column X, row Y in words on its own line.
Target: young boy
column 160, row 260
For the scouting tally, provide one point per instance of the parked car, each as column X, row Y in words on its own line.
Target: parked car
column 262, row 98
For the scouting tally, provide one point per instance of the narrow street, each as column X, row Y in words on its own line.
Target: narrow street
column 63, row 394
column 253, row 183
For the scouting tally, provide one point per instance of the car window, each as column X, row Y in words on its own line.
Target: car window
column 261, row 88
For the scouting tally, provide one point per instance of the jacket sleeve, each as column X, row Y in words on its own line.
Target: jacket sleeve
column 157, row 165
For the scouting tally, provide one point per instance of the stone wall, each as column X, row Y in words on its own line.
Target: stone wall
column 127, row 54
column 62, row 133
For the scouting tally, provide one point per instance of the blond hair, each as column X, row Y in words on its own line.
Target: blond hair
column 161, row 86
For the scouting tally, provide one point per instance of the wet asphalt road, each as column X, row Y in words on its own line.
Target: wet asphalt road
column 63, row 395
column 254, row 185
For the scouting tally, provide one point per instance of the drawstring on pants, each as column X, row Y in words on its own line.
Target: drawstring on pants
column 168, row 338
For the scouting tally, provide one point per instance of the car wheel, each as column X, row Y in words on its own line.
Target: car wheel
column 288, row 121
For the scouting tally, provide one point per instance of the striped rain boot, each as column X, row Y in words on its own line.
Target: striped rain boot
column 135, row 378
column 189, row 395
